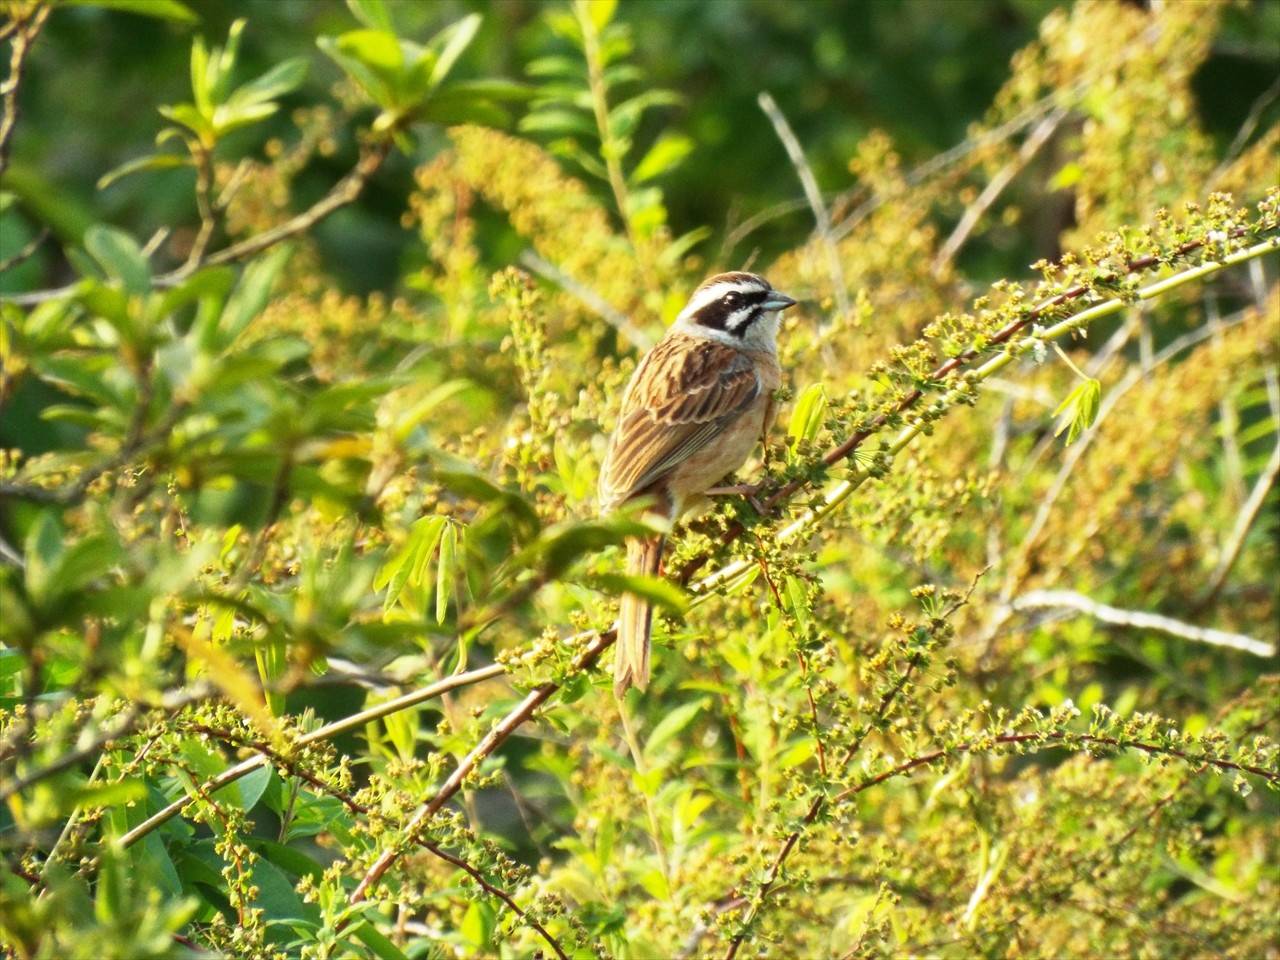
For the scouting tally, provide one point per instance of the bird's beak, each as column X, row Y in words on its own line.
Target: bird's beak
column 778, row 301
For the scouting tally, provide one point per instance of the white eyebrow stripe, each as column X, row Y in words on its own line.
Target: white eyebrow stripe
column 715, row 292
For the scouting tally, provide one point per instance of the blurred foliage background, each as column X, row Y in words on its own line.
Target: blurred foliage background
column 302, row 589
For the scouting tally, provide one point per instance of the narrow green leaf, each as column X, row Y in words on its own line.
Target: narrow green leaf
column 663, row 157
column 120, row 256
column 161, row 9
column 449, row 44
column 281, row 79
column 445, row 571
column 154, row 161
column 806, row 418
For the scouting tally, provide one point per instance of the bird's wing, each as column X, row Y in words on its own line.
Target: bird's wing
column 683, row 394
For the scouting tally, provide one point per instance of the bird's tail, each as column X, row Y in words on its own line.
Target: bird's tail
column 631, row 658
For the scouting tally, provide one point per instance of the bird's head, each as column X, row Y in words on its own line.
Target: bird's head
column 740, row 309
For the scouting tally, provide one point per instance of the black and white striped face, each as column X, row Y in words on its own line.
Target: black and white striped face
column 737, row 308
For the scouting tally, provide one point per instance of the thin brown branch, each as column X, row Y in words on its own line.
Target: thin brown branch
column 22, row 39
column 282, row 762
column 330, row 730
column 491, row 742
column 821, row 217
column 1244, row 522
column 996, row 186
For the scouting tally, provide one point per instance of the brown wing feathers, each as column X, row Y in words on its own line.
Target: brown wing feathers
column 678, row 400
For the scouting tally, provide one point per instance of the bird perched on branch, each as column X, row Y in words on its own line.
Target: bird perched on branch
column 691, row 414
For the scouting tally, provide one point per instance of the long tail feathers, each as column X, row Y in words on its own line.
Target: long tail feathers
column 631, row 658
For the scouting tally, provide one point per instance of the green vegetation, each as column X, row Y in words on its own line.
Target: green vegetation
column 314, row 320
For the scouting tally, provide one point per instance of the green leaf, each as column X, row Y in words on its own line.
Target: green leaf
column 373, row 59
column 120, row 256
column 228, row 118
column 276, row 82
column 662, row 593
column 445, row 571
column 1079, row 410
column 671, row 725
column 154, row 161
column 566, row 67
column 477, row 924
column 664, row 156
column 248, row 299
column 600, row 12
column 449, row 44
column 382, row 948
column 806, row 418
column 557, row 121
column 188, row 116
column 374, row 14
column 161, row 9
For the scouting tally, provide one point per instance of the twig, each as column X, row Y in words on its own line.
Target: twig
column 267, row 752
column 838, row 493
column 1244, row 521
column 327, row 732
column 1260, row 104
column 23, row 38
column 1070, row 600
column 345, row 191
column 31, row 246
column 588, row 297
column 492, row 740
column 1030, row 147
column 1055, row 740
column 822, row 219
column 135, row 443
column 125, row 724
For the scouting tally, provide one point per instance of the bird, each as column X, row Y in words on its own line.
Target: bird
column 691, row 413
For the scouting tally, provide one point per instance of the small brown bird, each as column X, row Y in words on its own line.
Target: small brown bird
column 692, row 412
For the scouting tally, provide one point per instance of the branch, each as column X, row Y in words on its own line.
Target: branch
column 24, row 37
column 8, row 263
column 822, row 219
column 1030, row 147
column 493, row 739
column 1070, row 600
column 1248, row 514
column 344, row 192
column 124, row 725
column 588, row 297
column 1056, row 740
column 327, row 732
column 838, row 493
column 267, row 752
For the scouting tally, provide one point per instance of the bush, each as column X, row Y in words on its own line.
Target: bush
column 304, row 593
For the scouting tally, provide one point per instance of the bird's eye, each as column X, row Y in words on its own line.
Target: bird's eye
column 731, row 299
